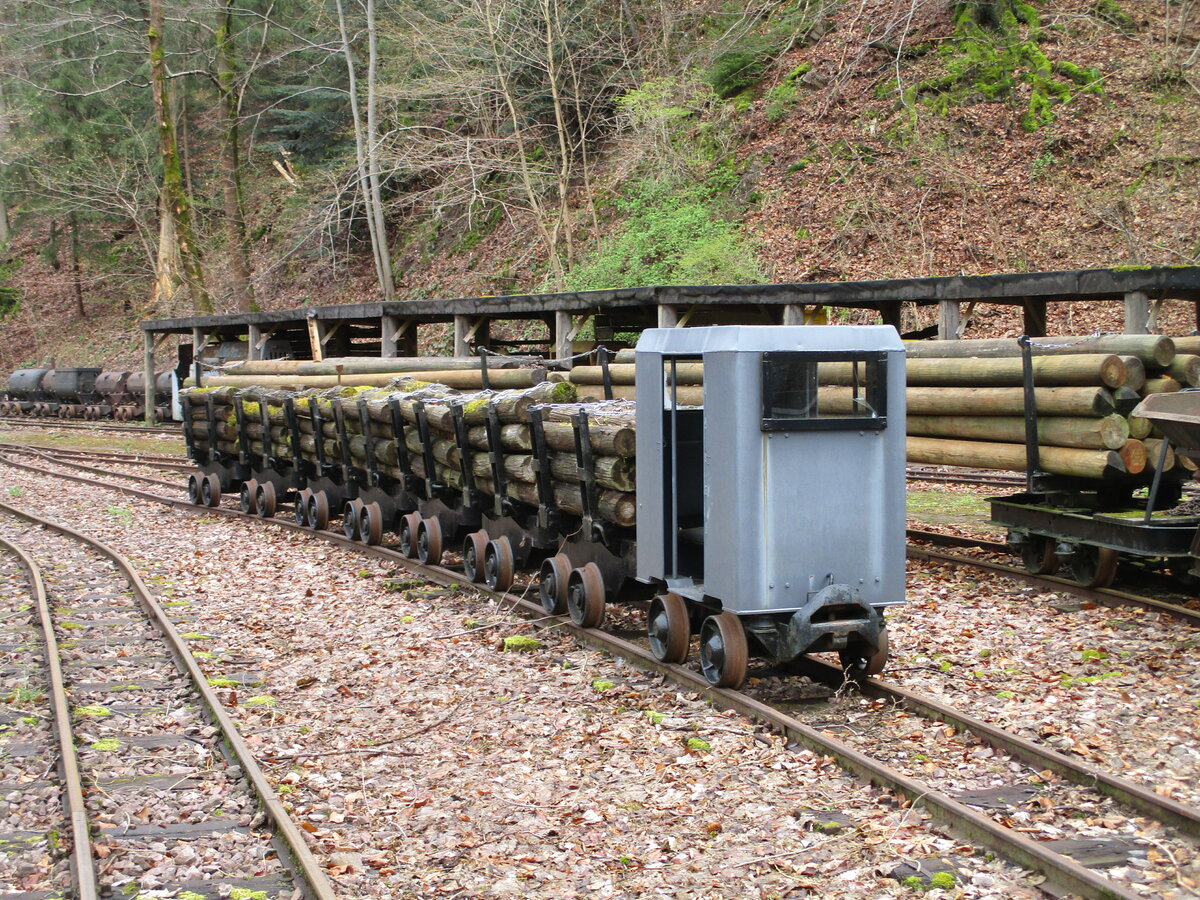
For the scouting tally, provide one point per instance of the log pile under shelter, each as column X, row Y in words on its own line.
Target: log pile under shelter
column 438, row 418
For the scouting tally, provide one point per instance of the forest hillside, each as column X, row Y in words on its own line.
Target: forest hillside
column 170, row 157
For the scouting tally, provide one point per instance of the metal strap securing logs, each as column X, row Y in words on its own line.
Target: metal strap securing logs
column 496, row 453
column 289, row 409
column 364, row 423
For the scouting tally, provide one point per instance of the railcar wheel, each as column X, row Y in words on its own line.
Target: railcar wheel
column 247, row 501
column 264, row 500
column 370, row 524
column 669, row 628
column 474, row 551
column 429, row 541
column 499, row 567
column 301, row 510
column 318, row 511
column 1037, row 555
column 408, row 534
column 724, row 654
column 210, row 490
column 553, row 578
column 585, row 596
column 863, row 659
column 350, row 517
column 1094, row 567
column 194, row 490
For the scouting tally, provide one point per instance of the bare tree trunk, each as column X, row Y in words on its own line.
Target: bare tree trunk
column 76, row 272
column 4, row 229
column 535, row 203
column 231, row 184
column 175, row 203
column 168, row 267
column 562, row 226
column 378, row 241
column 385, row 255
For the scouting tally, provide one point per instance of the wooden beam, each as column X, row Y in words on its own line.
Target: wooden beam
column 148, row 364
column 253, row 342
column 391, row 328
column 949, row 320
column 561, row 335
column 1137, row 313
column 668, row 316
column 462, row 326
column 316, row 334
column 199, row 340
column 793, row 314
column 1034, row 314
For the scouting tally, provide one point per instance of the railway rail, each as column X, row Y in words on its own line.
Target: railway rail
column 125, row 690
column 1103, row 596
column 1082, row 787
column 55, row 424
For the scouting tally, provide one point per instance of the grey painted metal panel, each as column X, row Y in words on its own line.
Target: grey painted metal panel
column 785, row 513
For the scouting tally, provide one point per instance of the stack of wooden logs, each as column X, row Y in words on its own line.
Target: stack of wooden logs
column 966, row 401
column 610, row 430
column 462, row 373
column 966, row 405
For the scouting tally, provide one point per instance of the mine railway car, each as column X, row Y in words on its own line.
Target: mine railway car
column 87, row 393
column 764, row 522
column 1084, row 530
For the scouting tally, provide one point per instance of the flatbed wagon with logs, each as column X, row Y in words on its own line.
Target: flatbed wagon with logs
column 744, row 501
column 1105, row 481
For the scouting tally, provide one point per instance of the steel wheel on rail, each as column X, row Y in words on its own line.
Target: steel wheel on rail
column 264, row 500
column 668, row 626
column 1093, row 567
column 552, row 584
column 210, row 490
column 724, row 654
column 585, row 596
column 351, row 511
column 429, row 541
column 370, row 523
column 248, row 500
column 301, row 508
column 863, row 659
column 1037, row 555
column 194, row 489
column 474, row 550
column 409, row 525
column 318, row 510
column 499, row 567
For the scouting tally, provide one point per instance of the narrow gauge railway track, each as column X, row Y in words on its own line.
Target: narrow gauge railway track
column 1103, row 596
column 1060, row 870
column 125, row 691
column 963, row 476
column 49, row 423
column 162, row 461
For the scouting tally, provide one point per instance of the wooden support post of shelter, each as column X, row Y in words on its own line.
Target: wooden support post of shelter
column 468, row 329
column 668, row 316
column 949, row 320
column 562, row 334
column 254, row 342
column 1034, row 314
column 889, row 313
column 148, row 364
column 398, row 337
column 199, row 339
column 316, row 337
column 1137, row 313
column 793, row 314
